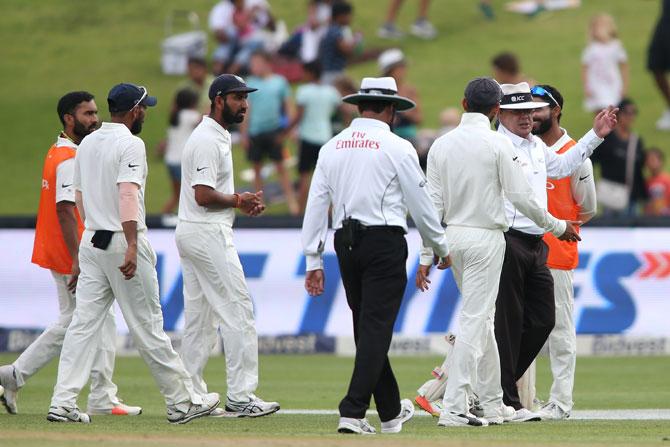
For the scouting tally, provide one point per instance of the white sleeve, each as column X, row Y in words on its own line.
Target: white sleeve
column 133, row 163
column 412, row 183
column 205, row 165
column 583, row 189
column 621, row 55
column 517, row 189
column 65, row 181
column 435, row 192
column 76, row 177
column 563, row 165
column 315, row 222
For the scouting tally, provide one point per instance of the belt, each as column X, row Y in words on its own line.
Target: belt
column 391, row 228
column 526, row 236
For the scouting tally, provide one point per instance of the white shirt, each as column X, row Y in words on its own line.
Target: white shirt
column 65, row 174
column 371, row 175
column 105, row 158
column 177, row 135
column 582, row 184
column 207, row 160
column 538, row 163
column 468, row 170
column 603, row 73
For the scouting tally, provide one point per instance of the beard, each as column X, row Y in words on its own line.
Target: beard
column 136, row 128
column 543, row 128
column 81, row 130
column 229, row 117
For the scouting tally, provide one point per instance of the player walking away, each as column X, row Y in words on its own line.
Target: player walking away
column 469, row 169
column 56, row 248
column 371, row 177
column 116, row 260
column 525, row 310
column 215, row 291
column 571, row 198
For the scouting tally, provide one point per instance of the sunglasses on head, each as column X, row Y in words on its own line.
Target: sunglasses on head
column 145, row 92
column 541, row 91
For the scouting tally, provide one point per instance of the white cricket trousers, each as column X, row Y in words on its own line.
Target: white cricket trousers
column 477, row 257
column 48, row 345
column 99, row 282
column 562, row 341
column 216, row 296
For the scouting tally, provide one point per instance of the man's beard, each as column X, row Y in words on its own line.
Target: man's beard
column 545, row 125
column 81, row 131
column 229, row 117
column 136, row 128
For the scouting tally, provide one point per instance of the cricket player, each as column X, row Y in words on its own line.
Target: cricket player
column 56, row 248
column 215, row 291
column 116, row 260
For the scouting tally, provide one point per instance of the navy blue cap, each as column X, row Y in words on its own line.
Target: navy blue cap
column 228, row 83
column 123, row 97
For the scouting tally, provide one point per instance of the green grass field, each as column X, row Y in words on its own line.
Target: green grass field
column 318, row 382
column 55, row 46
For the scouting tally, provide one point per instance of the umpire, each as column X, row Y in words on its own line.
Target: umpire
column 371, row 177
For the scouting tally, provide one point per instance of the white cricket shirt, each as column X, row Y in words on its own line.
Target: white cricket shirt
column 371, row 175
column 468, row 171
column 65, row 174
column 207, row 160
column 105, row 158
column 538, row 163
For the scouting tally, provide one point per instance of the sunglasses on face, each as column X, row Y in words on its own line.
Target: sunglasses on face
column 541, row 91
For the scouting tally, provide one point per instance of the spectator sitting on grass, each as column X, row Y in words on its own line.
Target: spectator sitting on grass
column 338, row 43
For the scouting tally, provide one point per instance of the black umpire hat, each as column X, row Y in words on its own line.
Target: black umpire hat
column 228, row 83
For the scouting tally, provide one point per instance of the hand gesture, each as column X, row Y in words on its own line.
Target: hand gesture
column 314, row 280
column 422, row 280
column 444, row 263
column 605, row 121
column 129, row 262
column 72, row 283
column 252, row 204
column 570, row 233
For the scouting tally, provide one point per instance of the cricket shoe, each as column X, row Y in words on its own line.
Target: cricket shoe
column 62, row 414
column 356, row 426
column 423, row 29
column 475, row 407
column 500, row 415
column 525, row 415
column 256, row 407
column 8, row 382
column 451, row 419
column 663, row 122
column 551, row 411
column 395, row 424
column 209, row 402
column 390, row 31
column 218, row 413
column 433, row 408
column 120, row 409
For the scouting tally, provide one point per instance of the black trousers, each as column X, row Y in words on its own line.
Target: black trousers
column 525, row 309
column 374, row 277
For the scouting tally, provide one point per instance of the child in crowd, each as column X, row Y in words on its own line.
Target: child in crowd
column 604, row 65
column 184, row 116
column 338, row 44
column 658, row 184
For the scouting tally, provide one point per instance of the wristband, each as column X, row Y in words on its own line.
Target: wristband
column 238, row 200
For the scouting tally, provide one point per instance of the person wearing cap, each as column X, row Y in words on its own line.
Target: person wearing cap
column 116, row 260
column 57, row 234
column 215, row 291
column 392, row 63
column 470, row 172
column 571, row 198
column 525, row 309
column 371, row 177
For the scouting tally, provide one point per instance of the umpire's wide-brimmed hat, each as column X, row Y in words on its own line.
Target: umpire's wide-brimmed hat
column 380, row 89
column 518, row 96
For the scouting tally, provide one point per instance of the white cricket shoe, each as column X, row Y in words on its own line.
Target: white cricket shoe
column 62, row 414
column 525, row 415
column 218, row 413
column 355, row 426
column 8, row 382
column 500, row 415
column 395, row 424
column 390, row 31
column 451, row 419
column 551, row 411
column 210, row 402
column 423, row 29
column 475, row 407
column 120, row 409
column 256, row 407
column 663, row 122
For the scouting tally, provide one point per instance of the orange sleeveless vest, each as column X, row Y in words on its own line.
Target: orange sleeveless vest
column 562, row 255
column 49, row 249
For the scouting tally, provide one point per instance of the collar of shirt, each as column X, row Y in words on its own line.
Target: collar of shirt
column 561, row 141
column 211, row 123
column 517, row 141
column 475, row 119
column 64, row 141
column 107, row 125
column 369, row 122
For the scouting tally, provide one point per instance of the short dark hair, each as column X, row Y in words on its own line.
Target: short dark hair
column 341, row 8
column 373, row 106
column 658, row 152
column 314, row 68
column 625, row 102
column 482, row 95
column 553, row 91
column 69, row 102
column 507, row 62
column 262, row 53
column 197, row 60
column 185, row 98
